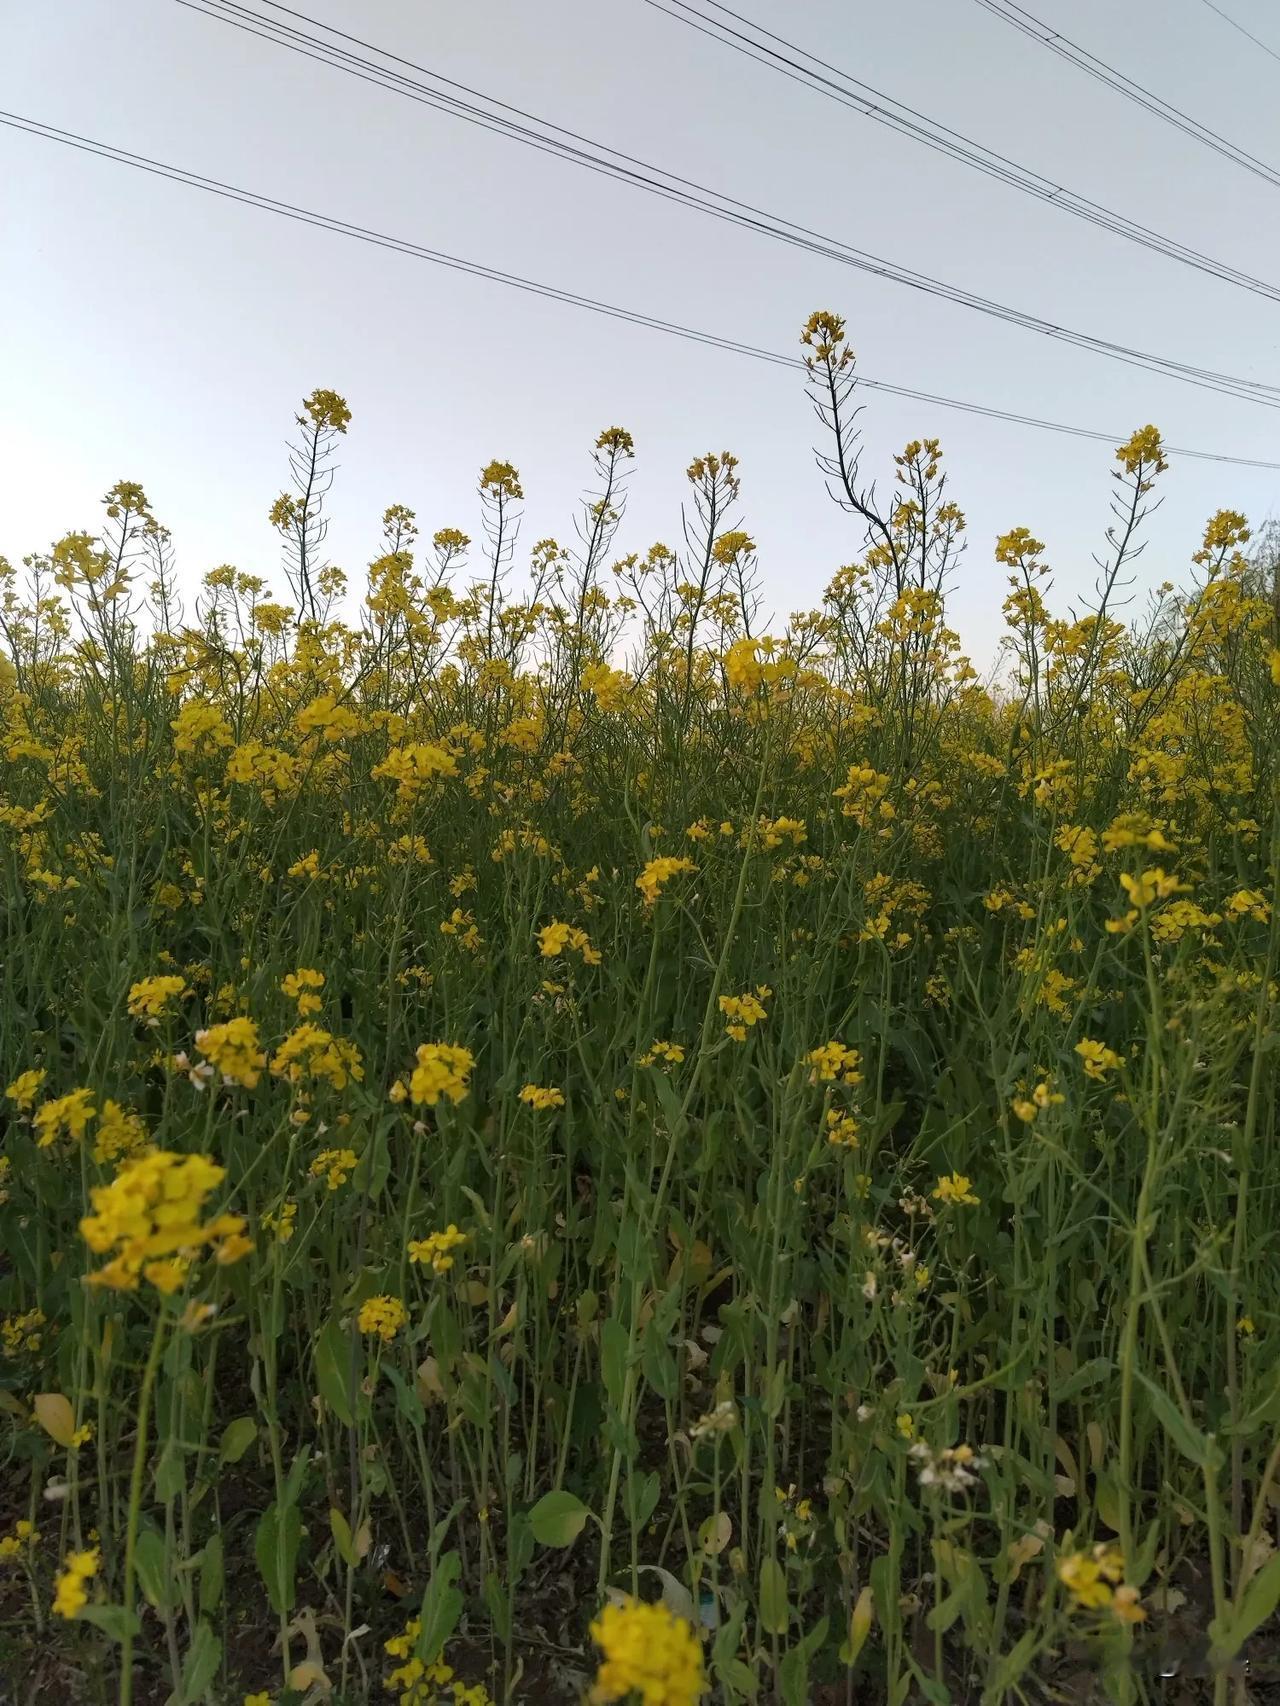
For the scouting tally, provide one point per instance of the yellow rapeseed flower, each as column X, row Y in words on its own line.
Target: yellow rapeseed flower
column 334, row 1166
column 542, row 1098
column 233, row 1048
column 71, row 1593
column 833, row 1062
column 382, row 1317
column 150, row 1214
column 65, row 1116
column 443, row 1069
column 310, row 1053
column 955, row 1188
column 151, row 997
column 659, row 872
column 1097, row 1058
column 25, row 1088
column 301, row 986
column 437, row 1248
column 648, row 1651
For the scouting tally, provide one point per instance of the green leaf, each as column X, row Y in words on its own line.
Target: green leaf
column 1087, row 1375
column 113, row 1620
column 793, row 1672
column 237, row 1437
column 441, row 1609
column 1189, row 1440
column 775, row 1613
column 275, row 1546
column 151, row 1563
column 333, row 1370
column 170, row 1476
column 668, row 1101
column 775, row 1392
column 374, row 1168
column 211, row 1575
column 478, row 1204
column 342, row 1538
column 736, row 1674
column 203, row 1658
column 886, row 1578
column 1259, row 1602
column 497, row 1604
column 659, row 1363
column 613, row 1360
column 558, row 1519
column 944, row 1614
column 642, row 1497
column 1010, row 1668
column 296, row 1476
column 407, row 1400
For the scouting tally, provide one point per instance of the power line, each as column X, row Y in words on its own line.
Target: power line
column 477, row 269
column 1010, row 13
column 1228, row 19
column 796, row 63
column 546, row 137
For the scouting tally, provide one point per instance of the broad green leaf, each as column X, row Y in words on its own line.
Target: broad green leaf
column 715, row 1533
column 659, row 1363
column 333, row 1370
column 151, row 1563
column 211, row 1575
column 558, row 1519
column 944, row 1614
column 275, row 1547
column 793, row 1672
column 497, row 1604
column 296, row 1476
column 775, row 1613
column 1087, row 1375
column 613, row 1360
column 201, row 1666
column 1257, row 1604
column 1189, row 1440
column 642, row 1497
column 441, row 1609
column 113, row 1620
column 1010, row 1668
column 236, row 1439
column 342, row 1538
column 170, row 1477
column 408, row 1402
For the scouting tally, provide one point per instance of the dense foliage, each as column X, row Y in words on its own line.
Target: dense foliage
column 525, row 1103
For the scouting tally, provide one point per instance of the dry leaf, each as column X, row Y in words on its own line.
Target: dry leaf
column 55, row 1416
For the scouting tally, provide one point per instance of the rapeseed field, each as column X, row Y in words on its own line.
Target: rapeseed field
column 559, row 1146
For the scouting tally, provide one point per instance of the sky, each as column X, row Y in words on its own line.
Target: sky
column 150, row 332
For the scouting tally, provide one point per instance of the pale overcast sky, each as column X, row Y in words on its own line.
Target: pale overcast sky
column 153, row 333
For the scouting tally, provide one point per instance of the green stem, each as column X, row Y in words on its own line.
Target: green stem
column 135, row 1507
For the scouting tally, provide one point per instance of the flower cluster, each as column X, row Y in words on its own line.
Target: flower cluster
column 744, row 1011
column 1095, row 1581
column 71, row 1590
column 649, row 1651
column 382, row 1317
column 659, row 872
column 442, row 1070
column 437, row 1248
column 150, row 1217
column 233, row 1049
